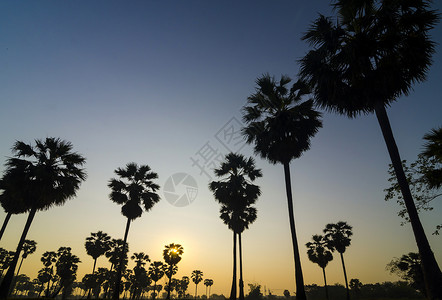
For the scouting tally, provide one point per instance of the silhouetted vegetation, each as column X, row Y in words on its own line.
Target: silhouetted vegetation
column 280, row 125
column 236, row 194
column 362, row 60
column 319, row 252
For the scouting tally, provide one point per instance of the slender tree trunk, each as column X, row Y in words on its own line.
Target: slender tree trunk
column 5, row 223
column 430, row 268
column 154, row 290
column 345, row 276
column 233, row 290
column 7, row 280
column 325, row 284
column 93, row 270
column 241, row 282
column 116, row 294
column 196, row 290
column 19, row 266
column 300, row 290
column 210, row 288
column 169, row 287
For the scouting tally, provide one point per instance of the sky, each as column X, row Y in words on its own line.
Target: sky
column 162, row 83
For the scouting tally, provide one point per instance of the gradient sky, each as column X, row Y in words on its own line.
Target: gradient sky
column 153, row 82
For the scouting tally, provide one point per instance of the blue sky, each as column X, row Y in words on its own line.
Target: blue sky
column 153, row 82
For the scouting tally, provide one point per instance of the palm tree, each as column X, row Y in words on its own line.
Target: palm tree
column 319, row 253
column 134, row 188
column 48, row 259
column 140, row 259
column 29, row 247
column 338, row 237
column 208, row 283
column 51, row 174
column 362, row 61
column 197, row 277
column 433, row 150
column 280, row 125
column 96, row 245
column 236, row 193
column 172, row 256
column 156, row 273
column 66, row 266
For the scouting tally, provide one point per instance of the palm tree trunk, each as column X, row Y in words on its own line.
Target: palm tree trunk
column 430, row 268
column 19, row 266
column 300, row 290
column 233, row 290
column 169, row 287
column 5, row 222
column 93, row 270
column 154, row 290
column 345, row 276
column 196, row 290
column 241, row 282
column 325, row 284
column 7, row 280
column 116, row 294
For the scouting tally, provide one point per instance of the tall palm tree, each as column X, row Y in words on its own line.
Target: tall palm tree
column 338, row 237
column 362, row 61
column 236, row 193
column 29, row 247
column 280, row 125
column 50, row 174
column 140, row 259
column 208, row 283
column 318, row 252
column 156, row 272
column 134, row 190
column 433, row 150
column 172, row 256
column 49, row 258
column 197, row 277
column 97, row 245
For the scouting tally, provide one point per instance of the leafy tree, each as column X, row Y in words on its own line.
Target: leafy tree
column 280, row 125
column 318, row 252
column 97, row 245
column 182, row 286
column 254, row 292
column 433, row 151
column 6, row 258
column 355, row 285
column 408, row 267
column 135, row 189
column 50, row 174
column 29, row 247
column 156, row 272
column 236, row 193
column 197, row 277
column 172, row 256
column 422, row 193
column 361, row 62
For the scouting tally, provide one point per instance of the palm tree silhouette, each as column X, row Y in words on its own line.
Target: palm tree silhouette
column 208, row 283
column 49, row 258
column 29, row 247
column 134, row 188
column 362, row 61
column 338, row 237
column 97, row 245
column 197, row 277
column 280, row 125
column 433, row 150
column 140, row 259
column 236, row 193
column 172, row 256
column 50, row 174
column 318, row 252
column 156, row 273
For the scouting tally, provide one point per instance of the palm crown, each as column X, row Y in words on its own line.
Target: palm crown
column 318, row 251
column 371, row 54
column 279, row 122
column 338, row 235
column 134, row 188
